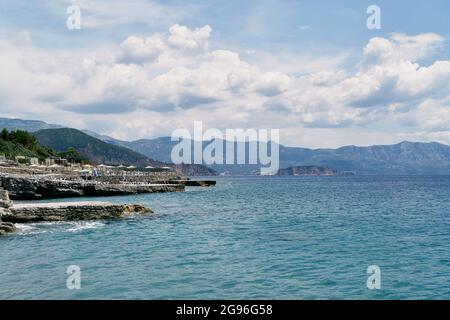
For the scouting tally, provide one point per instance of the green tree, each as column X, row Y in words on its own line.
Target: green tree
column 72, row 155
column 4, row 134
column 24, row 138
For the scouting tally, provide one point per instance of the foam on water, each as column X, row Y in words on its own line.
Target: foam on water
column 51, row 227
column 85, row 225
column 24, row 228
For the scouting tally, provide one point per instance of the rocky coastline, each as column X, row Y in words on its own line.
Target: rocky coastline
column 39, row 187
column 75, row 211
column 22, row 184
column 71, row 211
column 22, row 187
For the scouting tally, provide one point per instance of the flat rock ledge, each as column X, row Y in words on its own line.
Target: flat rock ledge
column 37, row 188
column 25, row 213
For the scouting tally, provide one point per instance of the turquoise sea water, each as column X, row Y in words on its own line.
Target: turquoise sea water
column 255, row 238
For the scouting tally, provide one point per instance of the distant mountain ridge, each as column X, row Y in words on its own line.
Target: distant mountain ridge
column 402, row 158
column 27, row 125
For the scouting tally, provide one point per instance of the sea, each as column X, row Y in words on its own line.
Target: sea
column 247, row 238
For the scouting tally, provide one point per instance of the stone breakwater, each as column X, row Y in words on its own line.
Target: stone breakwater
column 41, row 187
column 26, row 213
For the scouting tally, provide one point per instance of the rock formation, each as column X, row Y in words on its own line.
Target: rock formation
column 24, row 187
column 4, row 199
column 69, row 211
column 6, row 227
column 5, row 204
column 25, row 213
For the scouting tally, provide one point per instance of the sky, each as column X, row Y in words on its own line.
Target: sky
column 312, row 69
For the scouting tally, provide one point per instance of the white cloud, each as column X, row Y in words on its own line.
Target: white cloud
column 400, row 47
column 175, row 78
column 183, row 38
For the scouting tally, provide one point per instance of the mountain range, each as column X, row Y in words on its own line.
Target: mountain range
column 404, row 158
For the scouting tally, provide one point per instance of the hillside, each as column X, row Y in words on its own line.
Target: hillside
column 159, row 148
column 22, row 143
column 93, row 149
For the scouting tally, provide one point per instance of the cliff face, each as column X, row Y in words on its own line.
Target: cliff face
column 306, row 171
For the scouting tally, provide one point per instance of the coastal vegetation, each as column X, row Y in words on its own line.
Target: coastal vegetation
column 72, row 155
column 22, row 143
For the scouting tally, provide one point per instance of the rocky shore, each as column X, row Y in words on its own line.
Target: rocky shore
column 21, row 187
column 70, row 211
column 41, row 186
